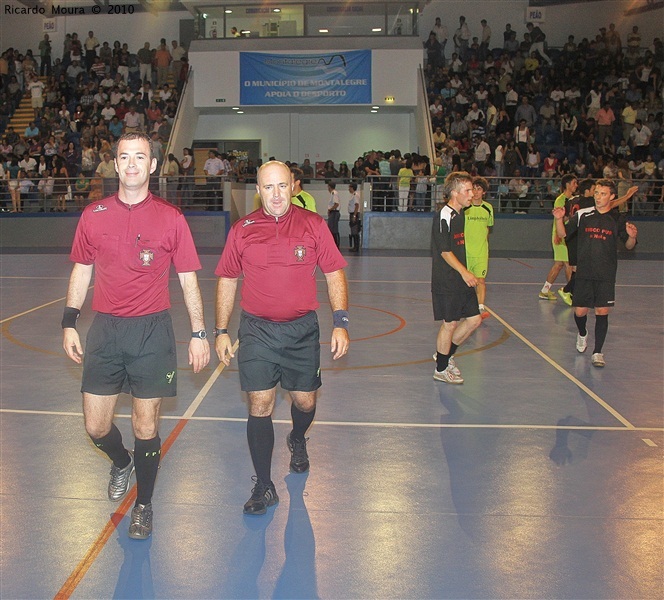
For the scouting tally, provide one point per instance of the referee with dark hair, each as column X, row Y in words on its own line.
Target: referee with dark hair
column 130, row 240
column 278, row 249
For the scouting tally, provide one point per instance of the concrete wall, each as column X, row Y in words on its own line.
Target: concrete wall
column 50, row 233
column 393, row 70
column 293, row 136
column 382, row 231
column 511, row 233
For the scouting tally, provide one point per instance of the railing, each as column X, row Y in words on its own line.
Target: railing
column 534, row 196
column 381, row 194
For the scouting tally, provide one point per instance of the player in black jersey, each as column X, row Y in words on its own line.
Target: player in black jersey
column 452, row 284
column 597, row 230
column 584, row 199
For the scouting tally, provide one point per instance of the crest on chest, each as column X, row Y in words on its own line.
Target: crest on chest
column 300, row 253
column 147, row 256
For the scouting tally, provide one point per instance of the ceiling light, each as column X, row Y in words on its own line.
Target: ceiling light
column 323, row 31
column 276, row 10
column 205, row 15
column 375, row 107
column 245, row 31
column 377, row 29
column 374, row 111
column 389, row 99
column 236, row 108
column 228, row 11
column 239, row 112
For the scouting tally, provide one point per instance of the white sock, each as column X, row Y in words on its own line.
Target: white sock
column 546, row 287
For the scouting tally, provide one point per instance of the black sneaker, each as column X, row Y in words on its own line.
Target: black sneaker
column 262, row 496
column 299, row 462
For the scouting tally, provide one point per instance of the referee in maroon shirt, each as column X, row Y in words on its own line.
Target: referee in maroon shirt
column 278, row 249
column 130, row 240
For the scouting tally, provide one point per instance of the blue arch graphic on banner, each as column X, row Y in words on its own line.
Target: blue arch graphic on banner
column 322, row 78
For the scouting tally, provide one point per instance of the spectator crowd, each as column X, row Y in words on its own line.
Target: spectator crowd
column 82, row 102
column 518, row 110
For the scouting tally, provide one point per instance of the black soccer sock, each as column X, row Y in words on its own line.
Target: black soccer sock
column 111, row 444
column 146, row 458
column 301, row 422
column 453, row 348
column 569, row 286
column 601, row 329
column 581, row 324
column 260, row 435
column 442, row 360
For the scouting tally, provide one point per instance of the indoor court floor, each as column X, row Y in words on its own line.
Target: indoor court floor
column 539, row 477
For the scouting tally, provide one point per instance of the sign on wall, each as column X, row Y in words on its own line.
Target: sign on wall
column 49, row 25
column 321, row 78
column 535, row 14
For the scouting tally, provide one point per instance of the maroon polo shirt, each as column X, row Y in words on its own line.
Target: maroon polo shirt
column 132, row 249
column 278, row 258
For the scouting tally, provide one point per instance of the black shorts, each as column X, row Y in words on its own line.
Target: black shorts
column 592, row 293
column 286, row 353
column 134, row 355
column 450, row 307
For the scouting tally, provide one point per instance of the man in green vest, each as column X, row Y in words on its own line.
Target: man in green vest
column 300, row 197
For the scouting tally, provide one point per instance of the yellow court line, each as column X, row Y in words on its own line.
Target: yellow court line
column 27, row 312
column 566, row 373
column 98, row 545
column 189, row 413
column 31, row 310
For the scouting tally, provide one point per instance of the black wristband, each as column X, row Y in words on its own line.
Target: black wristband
column 340, row 318
column 69, row 317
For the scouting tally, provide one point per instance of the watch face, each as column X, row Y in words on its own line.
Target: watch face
column 200, row 334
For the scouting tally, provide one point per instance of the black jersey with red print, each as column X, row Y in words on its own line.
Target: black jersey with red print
column 572, row 206
column 447, row 235
column 597, row 236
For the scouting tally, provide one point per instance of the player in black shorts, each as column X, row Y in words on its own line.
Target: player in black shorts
column 584, row 199
column 452, row 284
column 597, row 230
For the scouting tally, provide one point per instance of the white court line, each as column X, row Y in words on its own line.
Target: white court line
column 385, row 425
column 567, row 374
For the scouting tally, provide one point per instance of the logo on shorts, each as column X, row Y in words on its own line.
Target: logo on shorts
column 99, row 208
column 300, row 253
column 170, row 376
column 147, row 256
